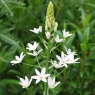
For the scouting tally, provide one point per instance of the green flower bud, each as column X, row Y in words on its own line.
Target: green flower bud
column 50, row 20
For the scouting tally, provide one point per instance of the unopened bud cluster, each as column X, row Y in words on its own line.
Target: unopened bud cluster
column 50, row 24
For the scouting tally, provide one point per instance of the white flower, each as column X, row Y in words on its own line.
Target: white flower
column 51, row 82
column 63, row 59
column 66, row 34
column 40, row 76
column 72, row 60
column 37, row 30
column 67, row 59
column 18, row 59
column 32, row 47
column 48, row 35
column 69, row 52
column 57, row 39
column 35, row 53
column 25, row 83
column 56, row 25
column 56, row 65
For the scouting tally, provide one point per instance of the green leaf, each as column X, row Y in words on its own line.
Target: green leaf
column 83, row 47
column 80, row 35
column 4, row 3
column 9, row 81
column 15, row 72
column 70, row 40
column 86, row 35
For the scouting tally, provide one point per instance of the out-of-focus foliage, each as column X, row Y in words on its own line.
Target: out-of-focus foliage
column 18, row 16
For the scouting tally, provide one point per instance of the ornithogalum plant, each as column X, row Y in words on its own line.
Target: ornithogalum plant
column 60, row 61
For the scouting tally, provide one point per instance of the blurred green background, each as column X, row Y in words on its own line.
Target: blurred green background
column 17, row 17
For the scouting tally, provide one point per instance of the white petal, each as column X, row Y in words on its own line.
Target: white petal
column 56, row 84
column 22, row 80
column 53, row 81
column 14, row 62
column 37, row 72
column 38, row 80
column 62, row 55
column 17, row 58
column 58, row 57
column 50, row 81
column 30, row 81
column 46, row 75
column 26, row 79
column 43, row 71
column 40, row 51
column 21, row 54
column 44, row 80
column 30, row 45
column 34, row 77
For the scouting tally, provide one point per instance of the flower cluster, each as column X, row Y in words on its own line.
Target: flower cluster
column 39, row 77
column 63, row 60
column 58, row 62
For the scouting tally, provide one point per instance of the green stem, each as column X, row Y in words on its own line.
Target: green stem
column 43, row 41
column 31, row 65
column 47, row 64
column 38, row 62
column 60, row 72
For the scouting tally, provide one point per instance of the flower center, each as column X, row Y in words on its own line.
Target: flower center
column 63, row 61
column 41, row 77
column 26, row 85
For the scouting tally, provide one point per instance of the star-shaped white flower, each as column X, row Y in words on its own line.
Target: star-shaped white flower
column 32, row 46
column 66, row 34
column 18, row 59
column 51, row 82
column 72, row 60
column 35, row 53
column 57, row 40
column 55, row 64
column 63, row 59
column 69, row 52
column 40, row 76
column 25, row 83
column 37, row 30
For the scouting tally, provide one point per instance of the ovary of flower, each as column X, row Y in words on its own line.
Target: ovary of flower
column 40, row 76
column 57, row 40
column 48, row 35
column 56, row 25
column 63, row 59
column 56, row 65
column 18, row 59
column 66, row 34
column 35, row 53
column 25, row 83
column 32, row 46
column 51, row 82
column 37, row 30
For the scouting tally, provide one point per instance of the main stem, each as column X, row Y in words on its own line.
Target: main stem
column 47, row 64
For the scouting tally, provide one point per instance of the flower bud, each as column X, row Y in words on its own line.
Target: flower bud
column 55, row 28
column 46, row 28
column 49, row 24
column 48, row 35
column 40, row 28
